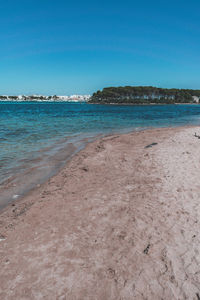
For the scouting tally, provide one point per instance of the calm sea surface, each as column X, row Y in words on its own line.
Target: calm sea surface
column 37, row 138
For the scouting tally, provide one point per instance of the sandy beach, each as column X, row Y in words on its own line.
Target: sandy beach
column 121, row 221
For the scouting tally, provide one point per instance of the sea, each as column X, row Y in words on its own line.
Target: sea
column 38, row 138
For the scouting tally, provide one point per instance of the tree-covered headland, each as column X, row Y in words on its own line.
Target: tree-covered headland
column 144, row 95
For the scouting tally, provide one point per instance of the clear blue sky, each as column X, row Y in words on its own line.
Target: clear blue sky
column 65, row 47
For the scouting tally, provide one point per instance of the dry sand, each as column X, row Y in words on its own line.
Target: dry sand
column 120, row 221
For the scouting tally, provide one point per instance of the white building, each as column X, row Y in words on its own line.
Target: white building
column 196, row 99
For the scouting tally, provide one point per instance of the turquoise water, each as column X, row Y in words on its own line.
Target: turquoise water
column 33, row 135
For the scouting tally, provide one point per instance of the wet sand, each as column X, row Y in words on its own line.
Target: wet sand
column 120, row 221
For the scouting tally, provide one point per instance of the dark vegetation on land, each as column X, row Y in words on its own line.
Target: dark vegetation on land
column 144, row 95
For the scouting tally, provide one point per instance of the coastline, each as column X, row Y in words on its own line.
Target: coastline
column 142, row 104
column 117, row 221
column 21, row 183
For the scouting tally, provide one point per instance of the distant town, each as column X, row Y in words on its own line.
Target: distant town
column 42, row 98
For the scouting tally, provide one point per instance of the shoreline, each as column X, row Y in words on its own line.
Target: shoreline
column 10, row 190
column 103, row 103
column 13, row 188
column 42, row 185
column 143, row 104
column 115, row 218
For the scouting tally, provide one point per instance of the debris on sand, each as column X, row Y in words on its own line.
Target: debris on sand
column 150, row 145
column 2, row 237
column 146, row 250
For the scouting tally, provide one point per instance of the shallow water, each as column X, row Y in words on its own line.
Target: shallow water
column 37, row 138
